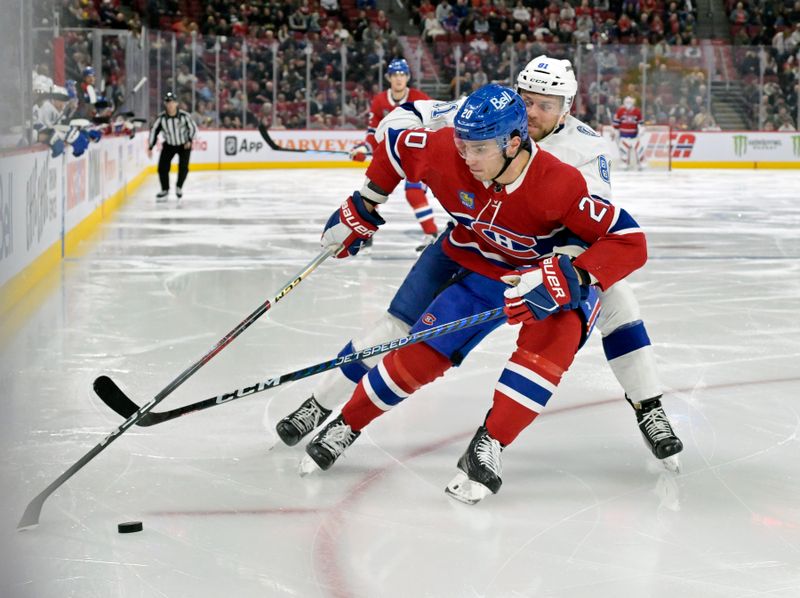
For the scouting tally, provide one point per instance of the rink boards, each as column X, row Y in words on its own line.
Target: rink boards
column 48, row 205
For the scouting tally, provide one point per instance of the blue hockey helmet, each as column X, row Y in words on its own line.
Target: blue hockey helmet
column 398, row 65
column 88, row 72
column 492, row 112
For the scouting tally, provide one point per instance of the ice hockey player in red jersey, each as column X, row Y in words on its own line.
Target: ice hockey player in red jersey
column 399, row 93
column 627, row 122
column 513, row 205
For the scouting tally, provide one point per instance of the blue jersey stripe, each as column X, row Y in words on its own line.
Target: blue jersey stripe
column 624, row 222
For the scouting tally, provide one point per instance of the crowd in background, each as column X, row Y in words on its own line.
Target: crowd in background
column 493, row 36
column 775, row 27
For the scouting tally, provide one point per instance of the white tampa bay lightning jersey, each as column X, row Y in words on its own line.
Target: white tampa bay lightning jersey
column 574, row 142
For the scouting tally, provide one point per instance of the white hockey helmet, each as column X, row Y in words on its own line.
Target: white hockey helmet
column 628, row 102
column 549, row 76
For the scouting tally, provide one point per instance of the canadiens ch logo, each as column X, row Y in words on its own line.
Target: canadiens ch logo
column 509, row 242
column 468, row 199
column 428, row 319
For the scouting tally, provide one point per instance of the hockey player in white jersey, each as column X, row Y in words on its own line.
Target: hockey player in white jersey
column 548, row 87
column 626, row 344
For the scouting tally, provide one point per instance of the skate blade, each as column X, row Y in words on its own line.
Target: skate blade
column 307, row 466
column 462, row 489
column 672, row 463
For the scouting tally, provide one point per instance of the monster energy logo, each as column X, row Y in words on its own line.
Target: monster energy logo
column 796, row 145
column 740, row 145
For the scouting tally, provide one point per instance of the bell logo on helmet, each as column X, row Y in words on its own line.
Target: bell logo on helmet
column 501, row 102
column 492, row 112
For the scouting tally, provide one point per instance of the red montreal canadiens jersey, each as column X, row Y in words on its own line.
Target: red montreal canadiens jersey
column 501, row 228
column 383, row 104
column 627, row 121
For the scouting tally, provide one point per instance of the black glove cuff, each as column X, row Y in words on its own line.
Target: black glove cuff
column 583, row 276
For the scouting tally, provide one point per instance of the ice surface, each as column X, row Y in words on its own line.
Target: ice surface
column 584, row 512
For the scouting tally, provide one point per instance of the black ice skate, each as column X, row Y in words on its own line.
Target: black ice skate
column 295, row 426
column 161, row 196
column 481, row 469
column 328, row 445
column 655, row 428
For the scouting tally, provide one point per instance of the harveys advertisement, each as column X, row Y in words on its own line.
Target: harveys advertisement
column 248, row 149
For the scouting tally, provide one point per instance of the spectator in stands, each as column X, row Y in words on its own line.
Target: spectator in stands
column 298, row 21
column 481, row 25
column 567, row 13
column 739, row 16
column 786, row 123
column 793, row 41
column 331, row 7
column 443, row 10
column 779, row 43
column 708, row 123
column 521, row 13
column 432, row 28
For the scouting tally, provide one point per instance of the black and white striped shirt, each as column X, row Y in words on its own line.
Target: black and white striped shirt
column 177, row 129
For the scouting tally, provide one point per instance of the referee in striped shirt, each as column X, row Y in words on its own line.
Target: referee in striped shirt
column 178, row 130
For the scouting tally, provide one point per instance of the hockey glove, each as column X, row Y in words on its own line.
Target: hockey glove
column 359, row 152
column 79, row 141
column 542, row 291
column 57, row 146
column 94, row 135
column 351, row 225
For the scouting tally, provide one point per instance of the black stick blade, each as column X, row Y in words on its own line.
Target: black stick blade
column 33, row 511
column 112, row 395
column 270, row 142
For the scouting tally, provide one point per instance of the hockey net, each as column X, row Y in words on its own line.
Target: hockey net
column 658, row 144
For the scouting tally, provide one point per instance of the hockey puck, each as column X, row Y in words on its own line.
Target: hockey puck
column 130, row 527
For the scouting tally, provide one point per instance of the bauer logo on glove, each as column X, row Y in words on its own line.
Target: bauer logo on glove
column 541, row 291
column 350, row 225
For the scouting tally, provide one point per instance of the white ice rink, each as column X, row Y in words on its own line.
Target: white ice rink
column 584, row 512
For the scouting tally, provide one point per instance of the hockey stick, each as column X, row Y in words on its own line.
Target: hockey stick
column 275, row 147
column 34, row 509
column 113, row 396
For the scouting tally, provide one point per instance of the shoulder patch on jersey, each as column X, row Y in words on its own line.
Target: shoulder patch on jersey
column 602, row 165
column 468, row 199
column 587, row 131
